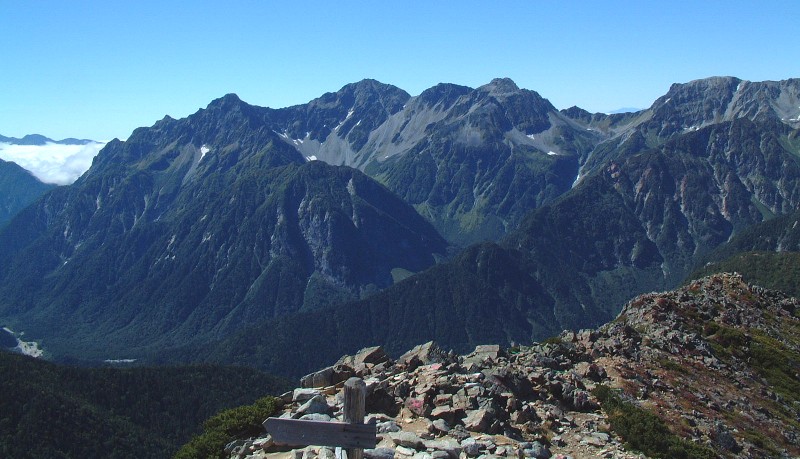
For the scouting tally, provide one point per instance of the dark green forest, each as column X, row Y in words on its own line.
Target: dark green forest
column 48, row 410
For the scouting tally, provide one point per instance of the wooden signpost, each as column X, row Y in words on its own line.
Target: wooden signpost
column 351, row 434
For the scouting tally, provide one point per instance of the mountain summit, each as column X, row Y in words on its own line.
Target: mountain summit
column 707, row 370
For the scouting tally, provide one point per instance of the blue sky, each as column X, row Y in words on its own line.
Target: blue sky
column 99, row 69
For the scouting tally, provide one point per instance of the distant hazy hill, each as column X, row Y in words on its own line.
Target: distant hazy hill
column 36, row 139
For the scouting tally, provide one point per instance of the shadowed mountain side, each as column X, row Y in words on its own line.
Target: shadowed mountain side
column 766, row 254
column 780, row 234
column 193, row 227
column 18, row 189
column 486, row 295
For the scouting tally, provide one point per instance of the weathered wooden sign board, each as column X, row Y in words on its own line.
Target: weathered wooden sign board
column 351, row 434
column 301, row 432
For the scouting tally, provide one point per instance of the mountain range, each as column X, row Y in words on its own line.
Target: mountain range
column 232, row 229
column 38, row 139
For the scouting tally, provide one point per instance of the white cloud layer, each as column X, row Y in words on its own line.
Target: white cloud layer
column 52, row 163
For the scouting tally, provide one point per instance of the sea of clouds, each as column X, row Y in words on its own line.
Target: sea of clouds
column 52, row 162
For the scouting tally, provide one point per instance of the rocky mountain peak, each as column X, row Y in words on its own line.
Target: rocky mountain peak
column 444, row 93
column 693, row 105
column 723, row 82
column 682, row 366
column 361, row 94
column 500, row 86
column 369, row 85
column 227, row 101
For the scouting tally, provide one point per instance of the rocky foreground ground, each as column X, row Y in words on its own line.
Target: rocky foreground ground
column 716, row 361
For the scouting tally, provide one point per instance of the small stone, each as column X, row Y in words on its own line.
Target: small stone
column 286, row 397
column 235, row 444
column 423, row 354
column 447, row 414
column 406, row 439
column 441, row 425
column 538, row 451
column 379, row 453
column 448, row 445
column 478, row 420
column 471, row 447
column 416, row 405
column 387, row 427
column 593, row 441
column 319, row 378
column 442, row 399
column 724, row 439
column 327, row 376
column 301, row 395
column 371, row 355
column 403, row 451
column 264, row 443
column 316, row 405
column 459, row 433
column 315, row 417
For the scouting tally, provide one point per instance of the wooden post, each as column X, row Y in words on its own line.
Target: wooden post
column 355, row 395
column 352, row 434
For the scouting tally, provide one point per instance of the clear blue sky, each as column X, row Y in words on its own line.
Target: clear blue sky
column 99, row 69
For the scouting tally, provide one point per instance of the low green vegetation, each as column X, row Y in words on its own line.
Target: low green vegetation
column 773, row 360
column 221, row 429
column 670, row 365
column 644, row 431
column 777, row 364
column 772, row 270
column 729, row 338
column 552, row 340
